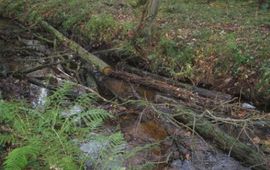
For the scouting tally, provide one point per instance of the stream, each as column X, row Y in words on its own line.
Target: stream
column 178, row 149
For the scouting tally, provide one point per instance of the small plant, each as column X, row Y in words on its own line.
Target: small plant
column 264, row 84
column 169, row 47
column 180, row 58
column 45, row 139
column 238, row 55
column 101, row 27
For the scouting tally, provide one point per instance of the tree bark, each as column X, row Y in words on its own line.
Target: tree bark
column 200, row 91
column 187, row 96
column 84, row 54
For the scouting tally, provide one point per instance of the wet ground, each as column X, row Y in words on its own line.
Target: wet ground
column 166, row 146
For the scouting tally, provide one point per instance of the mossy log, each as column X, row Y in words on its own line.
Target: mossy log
column 248, row 155
column 84, row 54
column 224, row 141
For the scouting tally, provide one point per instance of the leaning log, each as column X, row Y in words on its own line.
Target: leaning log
column 84, row 54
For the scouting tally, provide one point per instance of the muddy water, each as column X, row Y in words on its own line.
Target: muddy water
column 168, row 147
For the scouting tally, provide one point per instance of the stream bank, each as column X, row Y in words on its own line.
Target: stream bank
column 227, row 53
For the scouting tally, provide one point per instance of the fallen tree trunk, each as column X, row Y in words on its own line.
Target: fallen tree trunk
column 84, row 54
column 186, row 95
column 200, row 91
column 178, row 112
column 202, row 125
column 222, row 140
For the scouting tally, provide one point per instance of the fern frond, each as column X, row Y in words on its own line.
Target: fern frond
column 116, row 138
column 66, row 163
column 7, row 111
column 97, row 114
column 19, row 158
column 86, row 100
column 116, row 145
column 93, row 118
column 6, row 138
column 48, row 135
column 59, row 97
column 111, row 156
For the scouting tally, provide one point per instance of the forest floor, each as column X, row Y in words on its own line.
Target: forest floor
column 221, row 45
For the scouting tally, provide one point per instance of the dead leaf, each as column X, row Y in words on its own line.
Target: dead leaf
column 256, row 140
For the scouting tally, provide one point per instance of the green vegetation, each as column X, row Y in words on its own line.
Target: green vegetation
column 188, row 35
column 101, row 28
column 212, row 42
column 207, row 43
column 79, row 16
column 47, row 139
column 265, row 69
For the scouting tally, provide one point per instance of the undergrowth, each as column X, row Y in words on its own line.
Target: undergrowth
column 45, row 139
column 83, row 17
column 206, row 42
column 221, row 43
